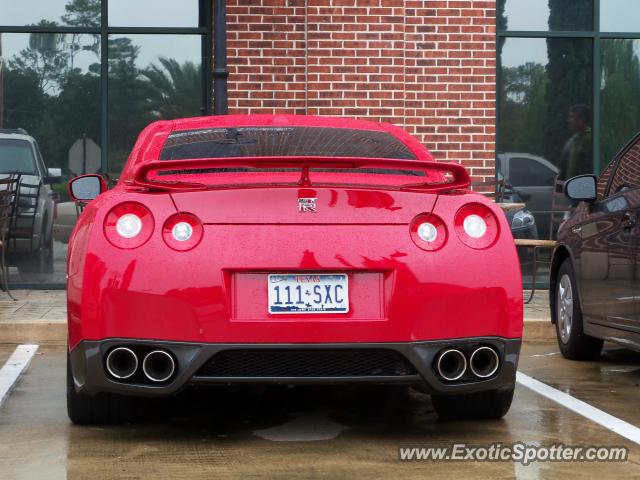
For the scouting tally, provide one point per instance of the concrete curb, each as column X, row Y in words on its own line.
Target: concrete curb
column 49, row 333
column 55, row 332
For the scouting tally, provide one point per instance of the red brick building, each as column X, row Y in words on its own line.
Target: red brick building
column 428, row 66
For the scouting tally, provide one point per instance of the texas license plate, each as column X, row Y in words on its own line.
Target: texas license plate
column 321, row 293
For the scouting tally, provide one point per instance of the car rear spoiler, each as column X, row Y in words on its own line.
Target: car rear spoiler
column 455, row 176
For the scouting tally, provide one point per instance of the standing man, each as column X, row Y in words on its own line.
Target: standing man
column 577, row 154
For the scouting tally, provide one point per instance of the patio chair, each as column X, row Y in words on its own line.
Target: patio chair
column 8, row 190
column 490, row 188
column 557, row 215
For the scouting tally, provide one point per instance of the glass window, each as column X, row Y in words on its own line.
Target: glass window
column 154, row 13
column 151, row 77
column 545, row 92
column 530, row 172
column 545, row 15
column 50, row 84
column 619, row 15
column 76, row 13
column 283, row 141
column 16, row 156
column 620, row 89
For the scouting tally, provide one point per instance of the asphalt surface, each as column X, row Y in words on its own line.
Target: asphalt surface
column 325, row 432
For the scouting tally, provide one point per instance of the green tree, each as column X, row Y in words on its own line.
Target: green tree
column 176, row 89
column 569, row 73
column 620, row 113
column 130, row 105
column 522, row 108
column 45, row 57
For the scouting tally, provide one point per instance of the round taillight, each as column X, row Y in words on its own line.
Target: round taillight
column 476, row 226
column 182, row 231
column 428, row 232
column 128, row 225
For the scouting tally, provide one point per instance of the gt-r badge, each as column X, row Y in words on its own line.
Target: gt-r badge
column 307, row 205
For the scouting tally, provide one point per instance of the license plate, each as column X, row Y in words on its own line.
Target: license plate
column 321, row 293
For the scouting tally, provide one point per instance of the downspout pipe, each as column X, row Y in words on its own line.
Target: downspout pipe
column 220, row 72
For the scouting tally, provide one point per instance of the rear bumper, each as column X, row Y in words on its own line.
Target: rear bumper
column 91, row 377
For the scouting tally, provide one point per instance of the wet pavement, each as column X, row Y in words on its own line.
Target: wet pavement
column 325, row 432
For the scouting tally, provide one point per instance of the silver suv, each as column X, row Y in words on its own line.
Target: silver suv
column 31, row 232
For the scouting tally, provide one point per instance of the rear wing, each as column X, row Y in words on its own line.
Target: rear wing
column 436, row 176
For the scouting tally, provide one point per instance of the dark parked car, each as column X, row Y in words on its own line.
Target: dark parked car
column 31, row 232
column 595, row 270
column 531, row 179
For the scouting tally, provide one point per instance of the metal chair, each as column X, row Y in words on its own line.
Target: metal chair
column 8, row 194
column 24, row 216
column 556, row 218
column 490, row 188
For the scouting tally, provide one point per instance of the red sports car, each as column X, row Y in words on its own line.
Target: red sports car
column 290, row 250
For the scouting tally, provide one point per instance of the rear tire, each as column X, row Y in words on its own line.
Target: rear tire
column 489, row 405
column 100, row 409
column 572, row 341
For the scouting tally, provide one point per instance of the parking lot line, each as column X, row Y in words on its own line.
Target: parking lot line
column 594, row 414
column 13, row 368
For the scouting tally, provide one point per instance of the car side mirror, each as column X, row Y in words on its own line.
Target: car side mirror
column 583, row 188
column 54, row 175
column 86, row 187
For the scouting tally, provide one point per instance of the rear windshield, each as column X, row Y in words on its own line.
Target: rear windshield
column 16, row 156
column 283, row 142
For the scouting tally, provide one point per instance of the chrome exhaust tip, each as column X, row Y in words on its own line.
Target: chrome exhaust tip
column 484, row 362
column 158, row 366
column 122, row 363
column 451, row 364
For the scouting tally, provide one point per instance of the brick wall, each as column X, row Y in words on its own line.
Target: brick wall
column 426, row 65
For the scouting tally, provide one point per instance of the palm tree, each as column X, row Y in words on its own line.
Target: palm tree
column 176, row 88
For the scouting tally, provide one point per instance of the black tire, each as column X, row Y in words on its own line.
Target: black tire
column 100, row 409
column 489, row 405
column 574, row 344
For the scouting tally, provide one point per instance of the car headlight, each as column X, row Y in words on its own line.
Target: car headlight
column 522, row 218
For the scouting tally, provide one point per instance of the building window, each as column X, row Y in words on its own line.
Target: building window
column 568, row 77
column 82, row 78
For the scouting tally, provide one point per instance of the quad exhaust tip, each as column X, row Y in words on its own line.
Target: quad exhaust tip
column 158, row 366
column 122, row 363
column 452, row 364
column 484, row 362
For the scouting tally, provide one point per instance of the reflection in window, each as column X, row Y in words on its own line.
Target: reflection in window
column 545, row 15
column 51, row 88
column 627, row 174
column 74, row 13
column 545, row 91
column 154, row 13
column 16, row 156
column 620, row 112
column 619, row 15
column 530, row 172
column 151, row 77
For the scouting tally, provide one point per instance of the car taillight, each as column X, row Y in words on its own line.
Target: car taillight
column 476, row 226
column 428, row 232
column 128, row 225
column 182, row 231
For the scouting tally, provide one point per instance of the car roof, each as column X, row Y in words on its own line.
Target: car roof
column 508, row 155
column 17, row 136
